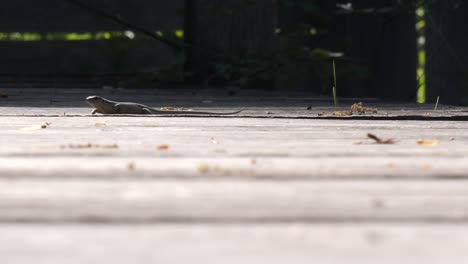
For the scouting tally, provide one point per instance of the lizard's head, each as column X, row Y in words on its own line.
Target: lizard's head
column 94, row 101
column 100, row 104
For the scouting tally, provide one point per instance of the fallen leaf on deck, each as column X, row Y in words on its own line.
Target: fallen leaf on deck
column 429, row 143
column 163, row 147
column 100, row 124
column 360, row 109
column 379, row 140
column 343, row 113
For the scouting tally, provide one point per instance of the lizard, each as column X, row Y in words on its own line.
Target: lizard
column 107, row 107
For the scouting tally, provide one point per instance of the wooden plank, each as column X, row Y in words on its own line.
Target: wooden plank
column 229, row 244
column 76, row 200
column 39, row 162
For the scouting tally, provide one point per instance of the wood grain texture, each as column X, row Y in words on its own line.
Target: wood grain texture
column 233, row 244
column 232, row 201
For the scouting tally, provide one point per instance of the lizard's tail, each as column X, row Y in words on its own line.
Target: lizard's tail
column 198, row 112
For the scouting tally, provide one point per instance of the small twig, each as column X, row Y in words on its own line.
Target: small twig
column 335, row 100
column 437, row 103
column 379, row 140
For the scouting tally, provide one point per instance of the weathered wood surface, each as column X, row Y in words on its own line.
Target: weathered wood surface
column 210, row 201
column 243, row 189
column 234, row 244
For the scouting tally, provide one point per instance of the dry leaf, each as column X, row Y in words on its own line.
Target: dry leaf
column 100, row 124
column 343, row 113
column 429, row 143
column 360, row 109
column 379, row 140
column 163, row 147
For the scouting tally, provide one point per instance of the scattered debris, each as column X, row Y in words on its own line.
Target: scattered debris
column 426, row 166
column 357, row 143
column 268, row 113
column 429, row 143
column 35, row 128
column 321, row 114
column 131, row 166
column 452, row 139
column 89, row 146
column 379, row 140
column 216, row 170
column 342, row 113
column 100, row 124
column 163, row 147
column 360, row 109
column 309, row 108
column 203, row 168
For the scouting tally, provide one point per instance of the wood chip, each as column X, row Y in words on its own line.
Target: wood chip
column 131, row 166
column 163, row 147
column 100, row 124
column 379, row 140
column 428, row 143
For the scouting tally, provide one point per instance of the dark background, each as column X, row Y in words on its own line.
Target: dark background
column 261, row 44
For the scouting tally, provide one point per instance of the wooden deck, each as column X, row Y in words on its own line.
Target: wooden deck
column 275, row 184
